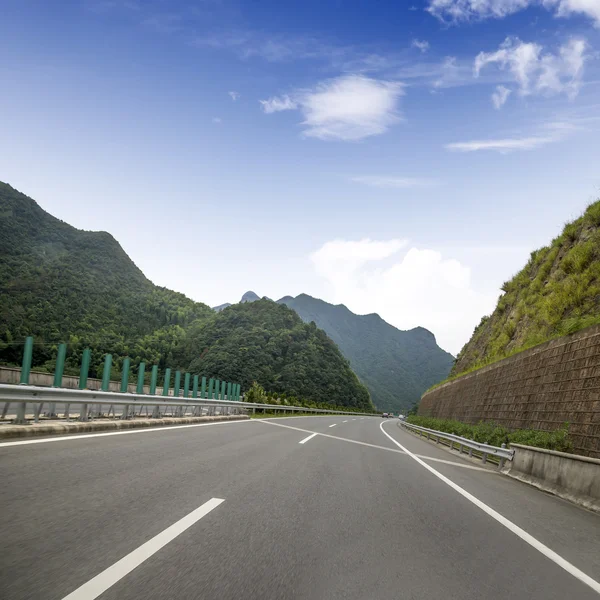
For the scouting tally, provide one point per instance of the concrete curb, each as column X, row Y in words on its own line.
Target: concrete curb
column 568, row 476
column 61, row 428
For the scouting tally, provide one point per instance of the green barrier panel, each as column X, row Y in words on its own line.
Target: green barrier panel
column 27, row 356
column 217, row 382
column 203, row 389
column 106, row 373
column 140, row 382
column 60, row 365
column 85, row 368
column 177, row 384
column 153, row 380
column 223, row 383
column 195, row 387
column 229, row 391
column 186, row 385
column 211, row 385
column 167, row 382
column 125, row 375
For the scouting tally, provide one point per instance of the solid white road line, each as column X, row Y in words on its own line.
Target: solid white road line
column 343, row 439
column 344, row 421
column 310, row 437
column 333, row 425
column 526, row 537
column 68, row 438
column 99, row 584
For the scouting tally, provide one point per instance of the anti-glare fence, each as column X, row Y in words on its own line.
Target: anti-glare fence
column 184, row 384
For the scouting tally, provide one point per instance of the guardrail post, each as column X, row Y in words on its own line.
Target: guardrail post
column 153, row 380
column 502, row 460
column 106, row 373
column 20, row 420
column 26, row 364
column 203, row 388
column 125, row 375
column 195, row 387
column 186, row 385
column 484, row 456
column 85, row 367
column 140, row 382
column 177, row 384
column 211, row 385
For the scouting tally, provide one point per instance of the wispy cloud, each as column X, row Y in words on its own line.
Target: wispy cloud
column 273, row 48
column 500, row 96
column 456, row 11
column 422, row 45
column 217, row 120
column 536, row 72
column 350, row 107
column 550, row 133
column 234, row 95
column 385, row 181
column 277, row 104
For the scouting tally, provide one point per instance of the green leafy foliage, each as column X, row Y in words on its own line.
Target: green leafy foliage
column 268, row 343
column 496, row 435
column 555, row 294
column 61, row 284
column 396, row 366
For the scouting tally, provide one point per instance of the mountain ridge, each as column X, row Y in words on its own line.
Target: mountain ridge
column 397, row 366
column 61, row 284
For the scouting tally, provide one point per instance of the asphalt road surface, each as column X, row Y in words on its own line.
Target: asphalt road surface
column 265, row 510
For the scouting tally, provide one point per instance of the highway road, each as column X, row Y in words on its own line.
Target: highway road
column 265, row 510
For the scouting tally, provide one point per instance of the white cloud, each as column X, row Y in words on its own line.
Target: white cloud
column 500, row 96
column 469, row 10
column 536, row 72
column 548, row 134
column 502, row 145
column 420, row 287
column 392, row 182
column 278, row 104
column 350, row 107
column 216, row 120
column 422, row 45
column 234, row 95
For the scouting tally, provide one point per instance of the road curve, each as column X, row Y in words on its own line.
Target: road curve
column 267, row 510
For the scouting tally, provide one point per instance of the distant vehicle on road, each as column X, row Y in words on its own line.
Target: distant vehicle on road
column 384, row 416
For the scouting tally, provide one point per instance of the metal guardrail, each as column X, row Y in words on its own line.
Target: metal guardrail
column 22, row 395
column 503, row 453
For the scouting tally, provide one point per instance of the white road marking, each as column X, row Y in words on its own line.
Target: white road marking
column 343, row 439
column 344, row 421
column 310, row 437
column 67, row 438
column 99, row 584
column 333, row 425
column 526, row 537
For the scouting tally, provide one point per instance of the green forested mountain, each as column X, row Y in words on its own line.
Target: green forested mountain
column 61, row 284
column 396, row 366
column 268, row 342
column 556, row 293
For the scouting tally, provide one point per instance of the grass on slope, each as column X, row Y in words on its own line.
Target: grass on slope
column 555, row 294
column 496, row 435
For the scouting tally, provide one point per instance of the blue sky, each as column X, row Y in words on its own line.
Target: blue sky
column 400, row 158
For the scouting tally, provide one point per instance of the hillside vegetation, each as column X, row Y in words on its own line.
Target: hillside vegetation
column 396, row 366
column 269, row 343
column 61, row 284
column 556, row 293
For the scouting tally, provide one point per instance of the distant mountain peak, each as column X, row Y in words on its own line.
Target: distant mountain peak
column 250, row 297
